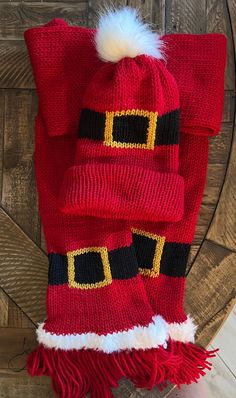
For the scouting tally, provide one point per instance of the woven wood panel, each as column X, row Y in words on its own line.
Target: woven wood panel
column 23, row 263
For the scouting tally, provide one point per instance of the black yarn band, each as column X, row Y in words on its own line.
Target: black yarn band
column 88, row 267
column 130, row 128
column 174, row 256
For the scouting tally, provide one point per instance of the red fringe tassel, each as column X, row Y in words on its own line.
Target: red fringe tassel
column 75, row 373
column 193, row 362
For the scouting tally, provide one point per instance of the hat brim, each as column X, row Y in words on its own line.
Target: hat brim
column 122, row 192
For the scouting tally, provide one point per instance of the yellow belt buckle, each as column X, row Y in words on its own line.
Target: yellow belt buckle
column 151, row 133
column 160, row 241
column 105, row 262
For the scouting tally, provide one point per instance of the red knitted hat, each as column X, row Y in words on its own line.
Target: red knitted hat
column 127, row 149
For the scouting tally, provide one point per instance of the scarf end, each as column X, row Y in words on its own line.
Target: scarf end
column 79, row 372
column 194, row 362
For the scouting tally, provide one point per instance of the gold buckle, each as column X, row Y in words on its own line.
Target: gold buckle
column 160, row 241
column 151, row 133
column 106, row 268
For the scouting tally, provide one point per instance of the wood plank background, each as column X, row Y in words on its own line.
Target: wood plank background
column 23, row 263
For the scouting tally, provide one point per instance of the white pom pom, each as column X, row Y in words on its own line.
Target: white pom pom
column 121, row 33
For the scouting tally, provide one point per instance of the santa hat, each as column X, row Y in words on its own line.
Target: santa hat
column 126, row 162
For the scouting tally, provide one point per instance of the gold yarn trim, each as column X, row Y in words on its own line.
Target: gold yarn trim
column 106, row 268
column 160, row 241
column 151, row 133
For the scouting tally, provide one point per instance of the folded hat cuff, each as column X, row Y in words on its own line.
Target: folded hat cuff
column 122, row 191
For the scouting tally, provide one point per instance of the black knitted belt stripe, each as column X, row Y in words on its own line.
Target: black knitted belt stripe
column 130, row 128
column 89, row 268
column 173, row 259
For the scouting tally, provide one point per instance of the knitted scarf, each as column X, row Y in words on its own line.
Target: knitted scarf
column 116, row 232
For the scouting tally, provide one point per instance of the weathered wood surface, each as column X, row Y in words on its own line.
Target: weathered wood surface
column 23, row 264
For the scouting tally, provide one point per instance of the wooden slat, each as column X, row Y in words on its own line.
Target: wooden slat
column 127, row 390
column 16, row 343
column 210, row 288
column 219, row 146
column 204, row 219
column 18, row 16
column 232, row 12
column 15, row 69
column 19, row 196
column 27, row 1
column 17, row 318
column 152, row 11
column 218, row 20
column 43, row 243
column 2, row 109
column 11, row 315
column 187, row 16
column 193, row 253
column 96, row 6
column 228, row 113
column 20, row 385
column 3, row 309
column 23, row 269
column 215, row 176
column 223, row 227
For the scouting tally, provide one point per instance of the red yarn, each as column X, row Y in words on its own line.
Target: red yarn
column 76, row 373
column 111, row 180
column 122, row 192
column 64, row 60
column 59, row 50
column 193, row 362
column 120, row 305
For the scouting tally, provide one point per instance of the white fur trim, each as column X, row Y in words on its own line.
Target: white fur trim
column 184, row 332
column 140, row 337
column 121, row 33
